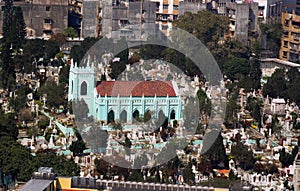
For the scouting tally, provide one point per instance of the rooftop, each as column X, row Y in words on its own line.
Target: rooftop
column 283, row 62
column 137, row 88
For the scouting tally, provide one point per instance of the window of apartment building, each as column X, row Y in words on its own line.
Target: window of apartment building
column 285, row 44
column 296, row 36
column 286, row 22
column 47, row 21
column 175, row 7
column 165, row 6
column 293, row 46
column 284, row 54
column 175, row 17
column 47, row 8
column 294, row 57
column 296, row 24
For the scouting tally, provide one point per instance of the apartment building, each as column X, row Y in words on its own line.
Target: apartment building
column 42, row 17
column 290, row 40
column 269, row 11
column 166, row 12
column 243, row 19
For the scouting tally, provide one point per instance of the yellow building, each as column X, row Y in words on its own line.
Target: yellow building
column 166, row 12
column 290, row 40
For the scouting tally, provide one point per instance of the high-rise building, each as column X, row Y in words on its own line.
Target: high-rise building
column 42, row 17
column 290, row 40
column 243, row 19
column 297, row 173
column 166, row 12
column 269, row 11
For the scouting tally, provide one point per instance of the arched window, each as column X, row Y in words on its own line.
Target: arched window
column 172, row 114
column 136, row 114
column 147, row 116
column 123, row 116
column 110, row 116
column 161, row 118
column 83, row 88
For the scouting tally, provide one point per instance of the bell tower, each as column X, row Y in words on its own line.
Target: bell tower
column 82, row 84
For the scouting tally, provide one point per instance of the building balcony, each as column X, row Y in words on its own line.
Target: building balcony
column 296, row 38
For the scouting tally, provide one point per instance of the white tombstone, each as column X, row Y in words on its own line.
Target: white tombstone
column 108, row 148
column 180, row 131
column 51, row 142
column 81, row 174
column 128, row 135
column 243, row 134
column 76, row 159
column 140, row 134
column 134, row 137
column 153, row 139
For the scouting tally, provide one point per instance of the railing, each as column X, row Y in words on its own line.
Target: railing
column 121, row 185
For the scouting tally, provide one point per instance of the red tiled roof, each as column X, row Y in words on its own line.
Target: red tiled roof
column 136, row 88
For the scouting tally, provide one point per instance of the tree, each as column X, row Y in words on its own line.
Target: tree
column 14, row 156
column 7, row 75
column 276, row 85
column 204, row 102
column 243, row 156
column 294, row 90
column 292, row 75
column 95, row 138
column 127, row 145
column 236, row 67
column 80, row 109
column 13, row 36
column 285, row 158
column 70, row 32
column 216, row 153
column 8, row 125
column 102, row 166
column 54, row 92
column 206, row 26
column 188, row 175
column 20, row 28
column 78, row 51
column 20, row 98
column 231, row 109
column 273, row 33
column 7, row 22
column 204, row 166
column 254, row 105
column 255, row 73
column 77, row 147
column 60, row 164
column 51, row 49
column 25, row 115
column 64, row 74
column 150, row 51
